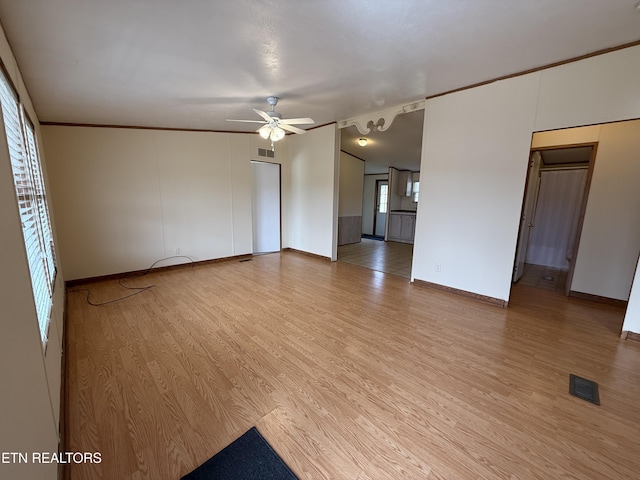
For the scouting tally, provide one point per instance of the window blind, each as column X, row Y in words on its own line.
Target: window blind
column 32, row 203
column 41, row 202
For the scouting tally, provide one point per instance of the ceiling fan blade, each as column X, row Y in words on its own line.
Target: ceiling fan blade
column 263, row 115
column 246, row 121
column 284, row 126
column 297, row 121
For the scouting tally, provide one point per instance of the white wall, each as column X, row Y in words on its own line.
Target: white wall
column 595, row 90
column 474, row 160
column 128, row 197
column 125, row 198
column 475, row 150
column 242, row 149
column 632, row 316
column 610, row 238
column 610, row 241
column 566, row 136
column 351, row 186
column 29, row 377
column 313, row 205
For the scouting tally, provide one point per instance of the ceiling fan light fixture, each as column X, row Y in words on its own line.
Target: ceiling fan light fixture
column 265, row 131
column 274, row 125
column 277, row 134
column 362, row 142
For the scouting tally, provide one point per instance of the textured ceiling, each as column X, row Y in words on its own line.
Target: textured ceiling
column 193, row 64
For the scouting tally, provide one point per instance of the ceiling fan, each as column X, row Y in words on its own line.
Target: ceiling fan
column 274, row 125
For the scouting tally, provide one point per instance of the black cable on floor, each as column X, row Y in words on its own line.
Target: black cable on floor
column 139, row 290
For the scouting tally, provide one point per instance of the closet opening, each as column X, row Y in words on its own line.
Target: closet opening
column 552, row 215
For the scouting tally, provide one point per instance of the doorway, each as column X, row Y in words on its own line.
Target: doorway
column 552, row 214
column 381, row 207
column 399, row 147
column 265, row 207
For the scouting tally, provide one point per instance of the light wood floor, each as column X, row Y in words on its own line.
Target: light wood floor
column 388, row 257
column 349, row 374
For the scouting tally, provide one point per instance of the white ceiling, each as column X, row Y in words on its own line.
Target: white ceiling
column 193, row 64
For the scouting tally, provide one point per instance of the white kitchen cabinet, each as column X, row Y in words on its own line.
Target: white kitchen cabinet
column 404, row 187
column 402, row 226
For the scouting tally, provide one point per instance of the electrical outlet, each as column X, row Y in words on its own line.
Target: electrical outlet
column 176, row 251
column 438, row 267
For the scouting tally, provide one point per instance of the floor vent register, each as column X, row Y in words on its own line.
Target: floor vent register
column 584, row 389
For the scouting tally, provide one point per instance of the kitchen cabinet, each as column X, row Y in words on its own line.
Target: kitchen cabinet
column 402, row 227
column 404, row 187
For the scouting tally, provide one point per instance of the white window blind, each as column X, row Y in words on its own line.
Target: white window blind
column 32, row 202
column 41, row 202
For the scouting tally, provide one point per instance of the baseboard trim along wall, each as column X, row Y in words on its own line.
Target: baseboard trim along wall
column 627, row 335
column 117, row 276
column 309, row 254
column 597, row 298
column 475, row 296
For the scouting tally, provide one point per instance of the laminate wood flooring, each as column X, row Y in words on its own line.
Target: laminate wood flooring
column 349, row 374
column 388, row 257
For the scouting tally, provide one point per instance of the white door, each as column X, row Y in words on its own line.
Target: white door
column 528, row 212
column 382, row 205
column 265, row 199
